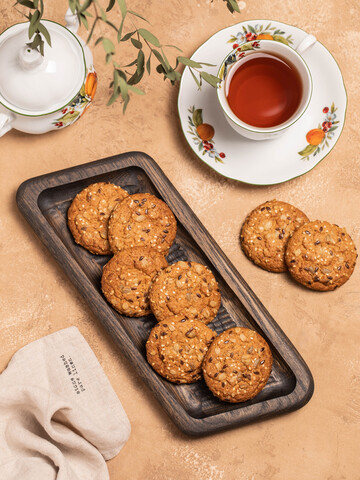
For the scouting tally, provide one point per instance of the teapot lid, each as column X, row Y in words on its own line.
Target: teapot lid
column 32, row 84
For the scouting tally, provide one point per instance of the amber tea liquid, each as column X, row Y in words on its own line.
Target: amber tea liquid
column 265, row 90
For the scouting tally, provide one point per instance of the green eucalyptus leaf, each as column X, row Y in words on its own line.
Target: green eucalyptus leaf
column 121, row 29
column 195, row 78
column 233, row 6
column 136, row 43
column 149, row 37
column 34, row 23
column 134, row 62
column 108, row 45
column 173, row 46
column 160, row 58
column 123, row 7
column 99, row 40
column 160, row 69
column 148, row 64
column 165, row 59
column 139, row 16
column 170, row 74
column 84, row 6
column 111, row 5
column 113, row 97
column 211, row 79
column 126, row 102
column 44, row 31
column 127, row 36
column 72, row 5
column 26, row 3
column 136, row 90
column 135, row 78
column 112, row 25
column 84, row 21
column 188, row 62
column 140, row 63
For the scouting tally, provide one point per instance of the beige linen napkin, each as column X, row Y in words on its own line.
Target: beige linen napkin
column 59, row 416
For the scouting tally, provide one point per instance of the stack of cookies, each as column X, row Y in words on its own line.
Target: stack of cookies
column 184, row 297
column 279, row 237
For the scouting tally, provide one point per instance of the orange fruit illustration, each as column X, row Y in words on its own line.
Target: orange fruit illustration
column 315, row 136
column 205, row 131
column 90, row 84
column 265, row 36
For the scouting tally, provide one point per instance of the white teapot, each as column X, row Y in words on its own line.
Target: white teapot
column 42, row 93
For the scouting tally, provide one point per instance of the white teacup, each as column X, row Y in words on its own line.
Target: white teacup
column 235, row 59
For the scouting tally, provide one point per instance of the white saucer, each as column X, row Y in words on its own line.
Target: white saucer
column 271, row 161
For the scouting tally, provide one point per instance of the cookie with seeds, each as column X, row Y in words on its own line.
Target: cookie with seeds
column 321, row 256
column 186, row 288
column 127, row 277
column 176, row 348
column 142, row 220
column 89, row 213
column 237, row 365
column 265, row 233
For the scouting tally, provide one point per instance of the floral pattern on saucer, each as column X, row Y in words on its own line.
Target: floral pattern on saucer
column 203, row 135
column 258, row 32
column 317, row 138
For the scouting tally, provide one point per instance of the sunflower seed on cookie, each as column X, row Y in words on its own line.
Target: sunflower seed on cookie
column 266, row 230
column 321, row 256
column 89, row 213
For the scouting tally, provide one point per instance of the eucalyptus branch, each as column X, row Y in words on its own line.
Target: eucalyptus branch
column 36, row 28
column 146, row 45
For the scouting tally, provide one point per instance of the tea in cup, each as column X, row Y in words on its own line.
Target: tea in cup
column 265, row 87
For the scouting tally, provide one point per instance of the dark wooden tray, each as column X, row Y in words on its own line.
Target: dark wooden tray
column 44, row 202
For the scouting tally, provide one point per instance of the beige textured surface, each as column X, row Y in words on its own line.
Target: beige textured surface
column 319, row 441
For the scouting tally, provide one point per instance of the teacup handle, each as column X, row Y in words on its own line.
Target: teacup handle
column 305, row 44
column 72, row 22
column 6, row 120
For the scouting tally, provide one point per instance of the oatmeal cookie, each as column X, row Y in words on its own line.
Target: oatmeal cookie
column 321, row 256
column 186, row 288
column 237, row 365
column 89, row 213
column 127, row 277
column 142, row 220
column 176, row 348
column 266, row 231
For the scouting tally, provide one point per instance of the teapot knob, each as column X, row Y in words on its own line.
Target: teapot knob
column 29, row 58
column 72, row 22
